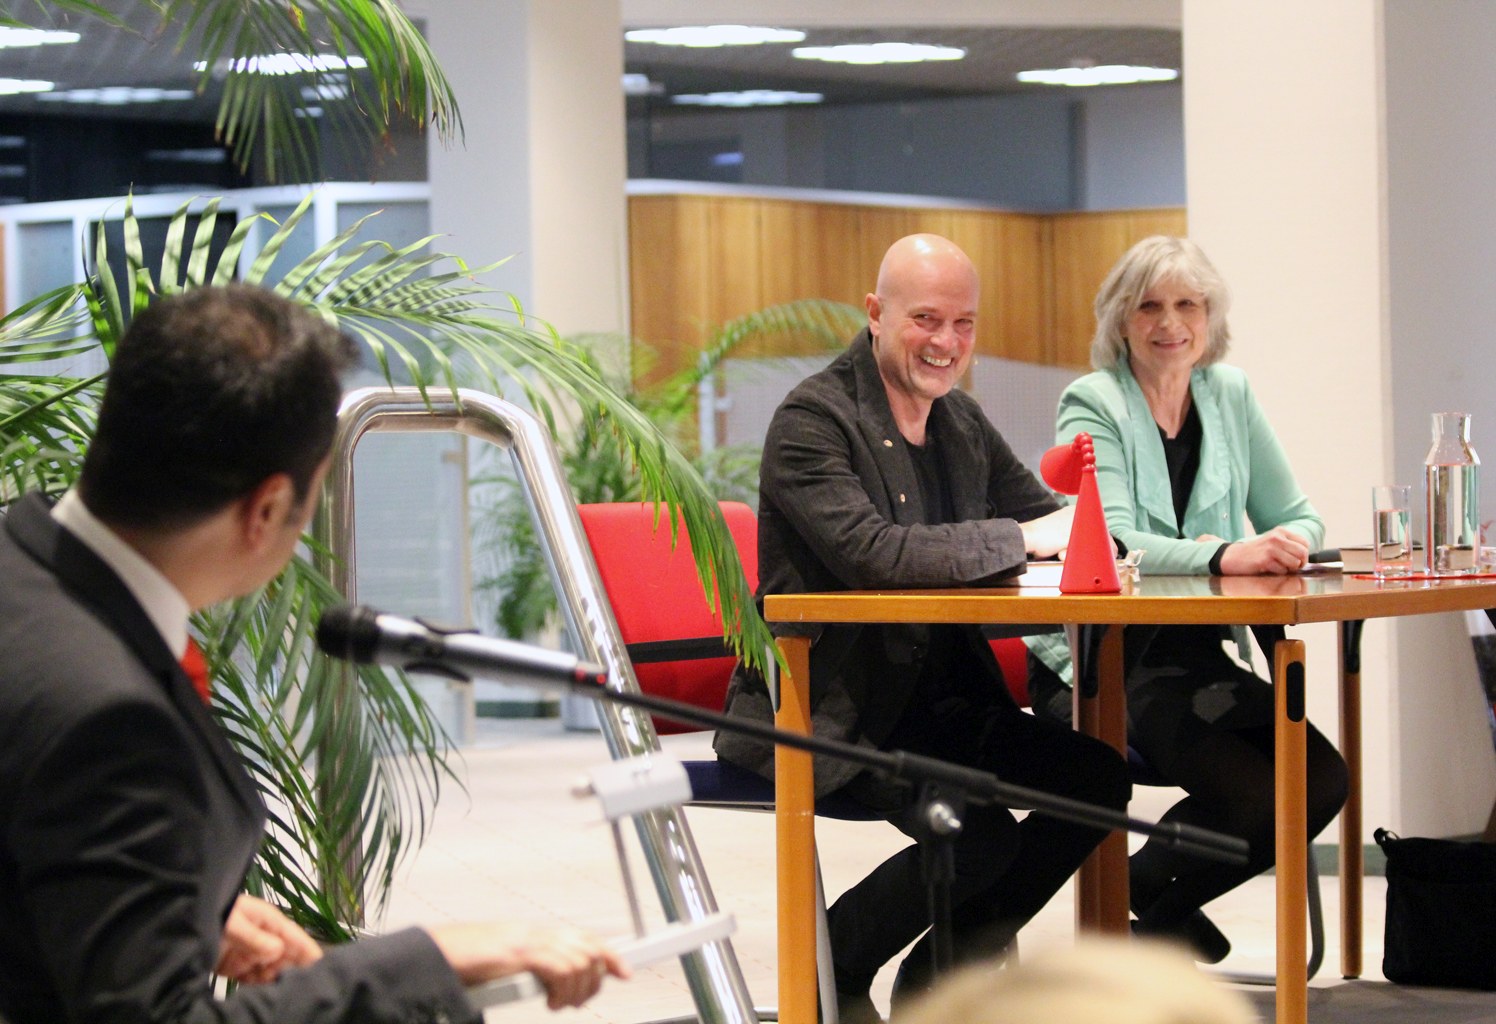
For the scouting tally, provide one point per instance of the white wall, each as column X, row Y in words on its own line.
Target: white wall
column 539, row 176
column 1441, row 246
column 1287, row 155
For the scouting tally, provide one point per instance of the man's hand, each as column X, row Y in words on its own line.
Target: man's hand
column 570, row 963
column 259, row 942
column 1275, row 553
column 1049, row 535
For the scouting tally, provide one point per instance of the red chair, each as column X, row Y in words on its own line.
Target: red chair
column 674, row 640
column 1012, row 658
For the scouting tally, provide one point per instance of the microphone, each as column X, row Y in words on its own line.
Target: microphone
column 360, row 634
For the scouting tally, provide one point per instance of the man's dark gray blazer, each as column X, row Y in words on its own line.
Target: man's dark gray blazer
column 127, row 823
column 840, row 509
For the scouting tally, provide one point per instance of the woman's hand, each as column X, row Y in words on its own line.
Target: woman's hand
column 259, row 942
column 1276, row 553
column 569, row 962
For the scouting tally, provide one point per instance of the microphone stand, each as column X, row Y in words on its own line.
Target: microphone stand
column 944, row 790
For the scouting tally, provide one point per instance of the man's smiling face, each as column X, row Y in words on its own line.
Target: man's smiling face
column 923, row 330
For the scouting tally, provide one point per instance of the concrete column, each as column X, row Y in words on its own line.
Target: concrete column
column 1289, row 138
column 540, row 175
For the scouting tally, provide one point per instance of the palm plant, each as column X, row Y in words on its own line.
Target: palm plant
column 420, row 313
column 598, row 463
column 258, row 112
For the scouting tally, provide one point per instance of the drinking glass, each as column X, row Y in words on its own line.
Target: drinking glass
column 1391, row 532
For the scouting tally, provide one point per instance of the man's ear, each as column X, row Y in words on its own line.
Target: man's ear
column 874, row 309
column 266, row 509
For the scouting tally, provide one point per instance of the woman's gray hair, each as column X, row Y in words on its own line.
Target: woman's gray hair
column 1154, row 259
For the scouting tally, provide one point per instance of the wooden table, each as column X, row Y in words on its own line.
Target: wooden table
column 1160, row 600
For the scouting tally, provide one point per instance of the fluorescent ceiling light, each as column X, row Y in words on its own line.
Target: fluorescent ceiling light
column 201, row 155
column 640, row 85
column 34, row 37
column 286, row 63
column 714, row 35
column 325, row 91
column 14, row 86
column 879, row 53
column 1106, row 74
column 747, row 98
column 116, row 95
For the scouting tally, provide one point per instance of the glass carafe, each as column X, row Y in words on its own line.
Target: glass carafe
column 1452, row 497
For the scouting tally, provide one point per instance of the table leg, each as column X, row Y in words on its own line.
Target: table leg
column 1101, row 883
column 1292, row 832
column 1352, row 865
column 794, row 832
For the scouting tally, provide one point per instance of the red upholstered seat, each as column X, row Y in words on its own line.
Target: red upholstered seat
column 1012, row 658
column 657, row 598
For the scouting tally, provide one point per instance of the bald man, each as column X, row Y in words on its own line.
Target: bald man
column 878, row 473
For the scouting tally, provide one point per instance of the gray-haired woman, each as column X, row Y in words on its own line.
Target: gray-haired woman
column 1191, row 473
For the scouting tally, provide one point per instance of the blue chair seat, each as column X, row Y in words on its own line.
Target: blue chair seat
column 726, row 785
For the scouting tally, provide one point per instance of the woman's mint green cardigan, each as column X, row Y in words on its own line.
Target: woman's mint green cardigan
column 1244, row 477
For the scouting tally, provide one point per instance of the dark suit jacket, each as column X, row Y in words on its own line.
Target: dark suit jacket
column 840, row 509
column 127, row 823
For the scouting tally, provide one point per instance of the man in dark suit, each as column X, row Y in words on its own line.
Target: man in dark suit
column 126, row 821
column 879, row 473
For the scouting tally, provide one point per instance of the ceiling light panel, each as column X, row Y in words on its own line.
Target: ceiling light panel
column 714, row 35
column 1105, row 74
column 879, row 53
column 747, row 98
column 114, row 96
column 16, row 86
column 286, row 63
column 16, row 37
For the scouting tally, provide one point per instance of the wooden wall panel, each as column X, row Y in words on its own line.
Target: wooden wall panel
column 810, row 251
column 1084, row 248
column 735, row 260
column 669, row 246
column 880, row 227
column 698, row 261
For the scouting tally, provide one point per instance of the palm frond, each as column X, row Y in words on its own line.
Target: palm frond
column 263, row 112
column 424, row 313
column 601, row 463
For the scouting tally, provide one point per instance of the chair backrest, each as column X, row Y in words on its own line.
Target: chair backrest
column 673, row 635
column 1012, row 658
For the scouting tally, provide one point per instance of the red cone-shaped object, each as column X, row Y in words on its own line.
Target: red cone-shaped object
column 1061, row 465
column 1091, row 558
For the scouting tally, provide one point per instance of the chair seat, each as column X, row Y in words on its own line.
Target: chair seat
column 723, row 784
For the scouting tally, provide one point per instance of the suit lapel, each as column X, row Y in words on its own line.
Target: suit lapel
column 94, row 584
column 968, row 490
column 881, row 436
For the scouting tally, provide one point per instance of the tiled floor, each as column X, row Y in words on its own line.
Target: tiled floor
column 518, row 843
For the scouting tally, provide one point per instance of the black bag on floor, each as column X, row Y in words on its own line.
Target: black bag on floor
column 1441, row 912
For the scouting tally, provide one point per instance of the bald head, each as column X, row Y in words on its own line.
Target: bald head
column 917, row 261
column 922, row 320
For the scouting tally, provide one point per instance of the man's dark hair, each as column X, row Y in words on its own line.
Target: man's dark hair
column 211, row 392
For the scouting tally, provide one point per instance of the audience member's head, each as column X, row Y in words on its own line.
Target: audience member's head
column 1097, row 981
column 210, row 393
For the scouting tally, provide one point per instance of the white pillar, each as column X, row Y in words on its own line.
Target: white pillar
column 1287, row 141
column 1441, row 246
column 540, row 175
